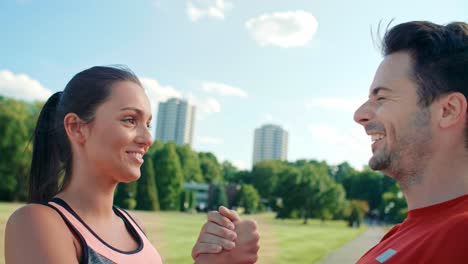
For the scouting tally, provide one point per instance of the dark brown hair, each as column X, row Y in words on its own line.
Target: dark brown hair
column 52, row 153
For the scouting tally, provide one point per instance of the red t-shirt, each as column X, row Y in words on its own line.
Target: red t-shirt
column 433, row 234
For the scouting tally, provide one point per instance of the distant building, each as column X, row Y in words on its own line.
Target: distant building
column 175, row 121
column 201, row 191
column 205, row 195
column 270, row 143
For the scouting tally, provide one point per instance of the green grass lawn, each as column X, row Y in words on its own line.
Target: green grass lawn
column 282, row 241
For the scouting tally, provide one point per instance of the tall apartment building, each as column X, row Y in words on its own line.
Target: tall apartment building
column 270, row 143
column 175, row 122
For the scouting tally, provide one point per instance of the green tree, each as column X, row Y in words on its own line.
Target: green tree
column 356, row 209
column 192, row 200
column 183, row 201
column 187, row 201
column 17, row 122
column 286, row 191
column 305, row 189
column 156, row 147
column 249, row 198
column 243, row 176
column 342, row 171
column 190, row 164
column 210, row 167
column 332, row 202
column 265, row 177
column 169, row 177
column 230, row 172
column 147, row 192
column 394, row 207
column 312, row 190
column 125, row 195
column 365, row 185
column 218, row 197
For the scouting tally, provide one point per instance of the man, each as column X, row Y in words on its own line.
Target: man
column 417, row 118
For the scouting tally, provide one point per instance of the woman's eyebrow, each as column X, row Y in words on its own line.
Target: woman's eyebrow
column 138, row 111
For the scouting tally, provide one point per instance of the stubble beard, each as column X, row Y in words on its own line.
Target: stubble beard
column 407, row 159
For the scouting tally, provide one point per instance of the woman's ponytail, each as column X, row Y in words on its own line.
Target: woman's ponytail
column 46, row 164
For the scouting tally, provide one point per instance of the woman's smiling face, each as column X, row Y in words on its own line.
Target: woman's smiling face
column 119, row 134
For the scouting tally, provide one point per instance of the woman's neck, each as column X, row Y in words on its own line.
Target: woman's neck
column 89, row 193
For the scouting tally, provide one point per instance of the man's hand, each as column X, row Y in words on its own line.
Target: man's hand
column 240, row 247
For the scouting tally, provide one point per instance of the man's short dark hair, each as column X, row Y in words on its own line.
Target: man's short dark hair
column 439, row 57
column 439, row 54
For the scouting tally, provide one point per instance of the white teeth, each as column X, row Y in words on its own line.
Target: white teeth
column 376, row 137
column 136, row 154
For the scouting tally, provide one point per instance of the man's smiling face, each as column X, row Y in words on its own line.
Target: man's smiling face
column 399, row 128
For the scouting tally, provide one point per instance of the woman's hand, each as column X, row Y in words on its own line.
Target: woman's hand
column 224, row 238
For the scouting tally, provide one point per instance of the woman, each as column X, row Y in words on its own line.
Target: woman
column 88, row 138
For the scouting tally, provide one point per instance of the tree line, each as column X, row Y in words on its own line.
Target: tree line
column 300, row 189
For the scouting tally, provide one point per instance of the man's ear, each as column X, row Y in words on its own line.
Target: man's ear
column 452, row 110
column 76, row 129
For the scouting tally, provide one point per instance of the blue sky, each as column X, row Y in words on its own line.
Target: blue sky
column 303, row 65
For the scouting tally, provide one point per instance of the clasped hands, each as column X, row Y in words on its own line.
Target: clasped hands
column 225, row 238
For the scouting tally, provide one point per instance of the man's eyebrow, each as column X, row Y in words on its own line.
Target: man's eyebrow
column 377, row 89
column 138, row 111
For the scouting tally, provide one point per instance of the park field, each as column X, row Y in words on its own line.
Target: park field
column 282, row 241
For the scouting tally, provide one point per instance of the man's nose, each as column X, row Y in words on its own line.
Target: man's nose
column 363, row 114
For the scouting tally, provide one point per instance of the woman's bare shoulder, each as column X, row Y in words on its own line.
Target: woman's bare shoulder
column 34, row 232
column 33, row 213
column 137, row 220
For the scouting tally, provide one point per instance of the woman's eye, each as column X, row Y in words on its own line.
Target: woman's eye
column 131, row 121
column 148, row 125
column 380, row 98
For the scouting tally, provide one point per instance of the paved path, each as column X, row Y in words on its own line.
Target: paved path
column 352, row 251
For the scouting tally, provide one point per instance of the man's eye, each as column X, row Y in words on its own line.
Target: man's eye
column 380, row 98
column 149, row 125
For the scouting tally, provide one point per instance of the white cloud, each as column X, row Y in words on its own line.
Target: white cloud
column 336, row 103
column 211, row 140
column 161, row 93
column 204, row 106
column 223, row 89
column 338, row 145
column 210, row 8
column 209, row 105
column 283, row 29
column 354, row 137
column 21, row 86
column 240, row 164
column 157, row 92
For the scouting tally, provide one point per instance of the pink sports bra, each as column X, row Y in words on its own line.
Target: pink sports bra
column 96, row 250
